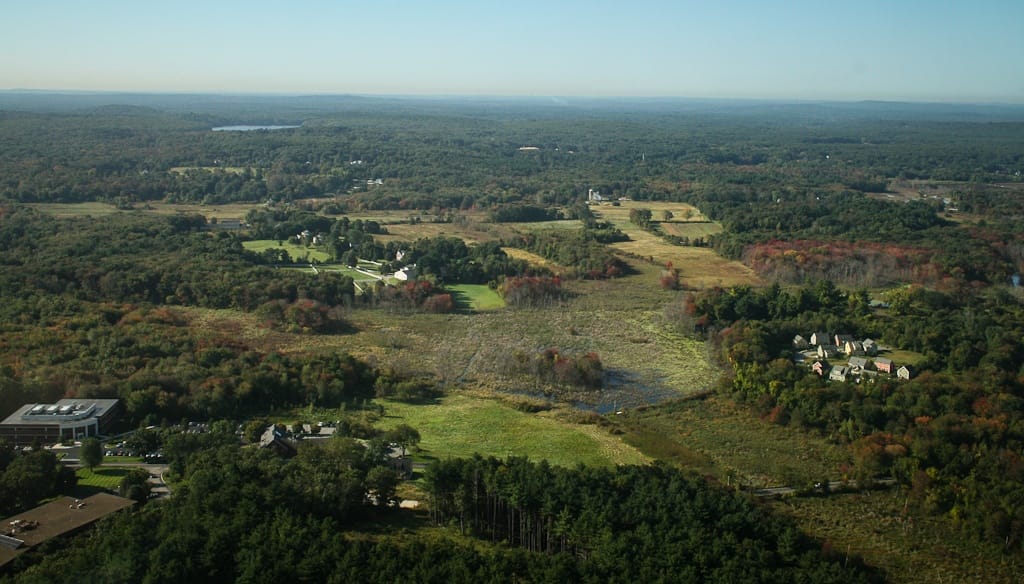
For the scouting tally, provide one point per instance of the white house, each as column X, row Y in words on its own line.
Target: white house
column 407, row 273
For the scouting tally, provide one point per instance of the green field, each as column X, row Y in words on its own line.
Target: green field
column 461, row 425
column 101, row 477
column 475, row 297
column 296, row 251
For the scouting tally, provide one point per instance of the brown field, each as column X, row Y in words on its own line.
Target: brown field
column 698, row 267
column 470, row 232
column 534, row 259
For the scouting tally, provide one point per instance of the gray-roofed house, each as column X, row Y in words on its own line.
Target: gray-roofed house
column 819, row 339
column 828, row 351
column 870, row 347
column 857, row 363
column 838, row 374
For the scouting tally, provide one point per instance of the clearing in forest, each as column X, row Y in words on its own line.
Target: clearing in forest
column 460, row 426
column 299, row 253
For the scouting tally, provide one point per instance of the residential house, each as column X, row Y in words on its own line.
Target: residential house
column 870, row 347
column 820, row 367
column 853, row 348
column 841, row 340
column 818, row 339
column 857, row 364
column 800, row 343
column 838, row 373
column 903, row 372
column 884, row 365
column 276, row 439
column 828, row 351
column 399, row 461
column 407, row 274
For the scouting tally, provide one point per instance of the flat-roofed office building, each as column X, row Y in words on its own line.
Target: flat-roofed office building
column 68, row 419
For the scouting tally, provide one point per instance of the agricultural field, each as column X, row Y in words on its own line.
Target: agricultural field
column 99, row 209
column 534, row 259
column 469, row 231
column 462, row 425
column 699, row 267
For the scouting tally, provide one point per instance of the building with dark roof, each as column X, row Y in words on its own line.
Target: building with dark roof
column 62, row 516
column 68, row 419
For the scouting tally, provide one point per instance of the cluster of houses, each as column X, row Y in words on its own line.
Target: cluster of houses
column 862, row 360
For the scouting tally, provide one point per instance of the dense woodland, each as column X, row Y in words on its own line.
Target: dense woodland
column 249, row 516
column 838, row 205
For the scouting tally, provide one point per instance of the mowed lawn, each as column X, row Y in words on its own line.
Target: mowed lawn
column 101, row 477
column 460, row 426
column 296, row 251
column 476, row 297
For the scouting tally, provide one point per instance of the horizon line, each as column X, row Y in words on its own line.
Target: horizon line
column 289, row 94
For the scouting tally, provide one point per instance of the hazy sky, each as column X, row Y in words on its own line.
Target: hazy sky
column 935, row 50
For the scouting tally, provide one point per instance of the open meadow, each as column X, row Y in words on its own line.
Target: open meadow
column 99, row 209
column 699, row 267
column 462, row 425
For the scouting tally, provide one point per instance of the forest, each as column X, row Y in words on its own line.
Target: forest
column 884, row 221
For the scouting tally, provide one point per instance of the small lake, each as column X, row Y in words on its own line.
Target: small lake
column 251, row 128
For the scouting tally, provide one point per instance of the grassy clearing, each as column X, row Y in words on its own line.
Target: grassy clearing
column 476, row 297
column 902, row 357
column 690, row 229
column 94, row 209
column 296, row 251
column 717, row 437
column 460, row 425
column 908, row 546
column 101, row 477
column 227, row 169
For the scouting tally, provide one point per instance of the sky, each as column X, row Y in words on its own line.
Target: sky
column 897, row 50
